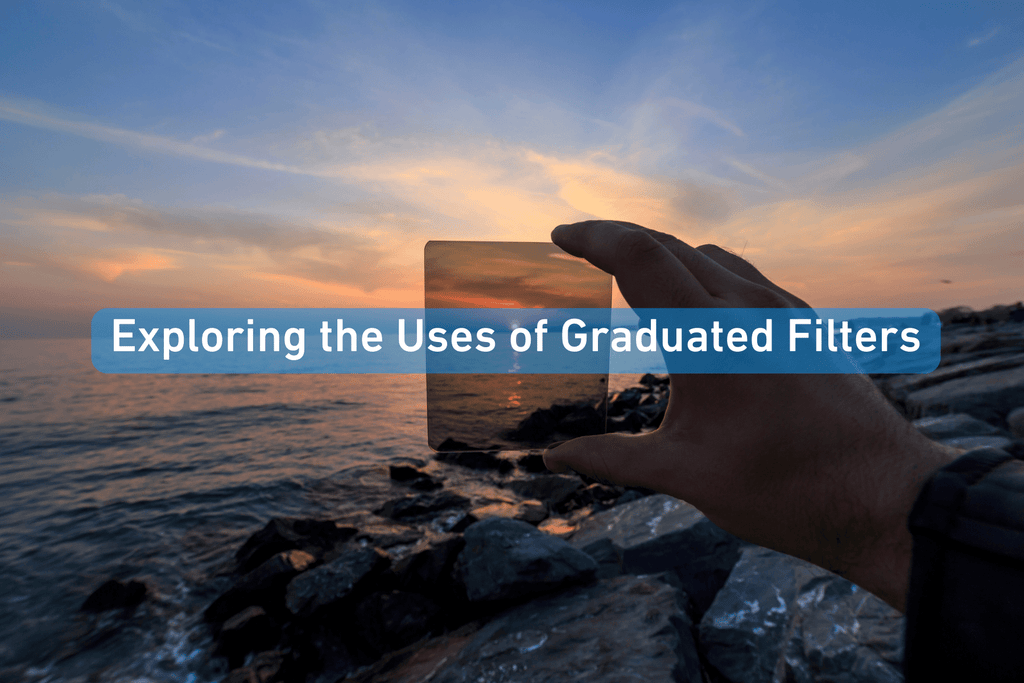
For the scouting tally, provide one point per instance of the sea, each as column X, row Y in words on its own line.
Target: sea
column 159, row 478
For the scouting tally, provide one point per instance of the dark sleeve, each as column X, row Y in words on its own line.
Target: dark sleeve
column 965, row 606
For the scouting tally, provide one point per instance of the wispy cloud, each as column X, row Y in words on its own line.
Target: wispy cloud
column 975, row 42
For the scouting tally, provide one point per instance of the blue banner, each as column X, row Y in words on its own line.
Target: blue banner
column 505, row 340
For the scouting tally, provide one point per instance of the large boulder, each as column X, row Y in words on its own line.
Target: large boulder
column 660, row 533
column 334, row 581
column 623, row 629
column 505, row 559
column 781, row 619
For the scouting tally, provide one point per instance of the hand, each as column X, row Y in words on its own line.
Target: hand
column 817, row 466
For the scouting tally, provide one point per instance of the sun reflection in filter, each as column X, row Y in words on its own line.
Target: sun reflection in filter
column 486, row 411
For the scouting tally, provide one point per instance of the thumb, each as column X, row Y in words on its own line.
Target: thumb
column 617, row 458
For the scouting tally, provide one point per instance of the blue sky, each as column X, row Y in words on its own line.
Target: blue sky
column 301, row 153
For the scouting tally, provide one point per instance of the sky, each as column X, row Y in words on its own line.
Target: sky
column 302, row 153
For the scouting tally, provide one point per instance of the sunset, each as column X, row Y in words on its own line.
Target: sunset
column 352, row 520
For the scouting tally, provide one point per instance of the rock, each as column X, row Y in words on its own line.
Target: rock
column 332, row 582
column 114, row 594
column 530, row 511
column 476, row 460
column 384, row 534
column 537, row 426
column 405, row 472
column 622, row 629
column 251, row 630
column 955, row 425
column 650, row 380
column 660, row 533
column 422, row 504
column 505, row 559
column 388, row 621
column 581, row 422
column 781, row 619
column 624, row 401
column 262, row 586
column 900, row 386
column 554, row 489
column 451, row 444
column 632, row 422
column 969, row 442
column 987, row 397
column 1015, row 420
column 315, row 536
column 428, row 567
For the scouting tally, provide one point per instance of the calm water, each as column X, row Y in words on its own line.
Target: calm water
column 160, row 478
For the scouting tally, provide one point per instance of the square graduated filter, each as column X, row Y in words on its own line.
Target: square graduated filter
column 511, row 411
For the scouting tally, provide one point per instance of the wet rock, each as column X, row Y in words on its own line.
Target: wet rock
column 384, row 535
column 262, row 586
column 553, row 490
column 335, row 581
column 581, row 422
column 251, row 630
column 391, row 620
column 779, row 618
column 530, row 511
column 406, row 472
column 315, row 536
column 537, row 426
column 506, row 559
column 1015, row 421
column 988, row 397
column 660, row 533
column 476, row 460
column 114, row 594
column 451, row 444
column 622, row 629
column 414, row 506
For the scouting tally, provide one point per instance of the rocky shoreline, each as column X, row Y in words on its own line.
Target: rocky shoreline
column 554, row 577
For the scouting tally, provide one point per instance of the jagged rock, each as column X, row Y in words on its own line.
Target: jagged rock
column 315, row 536
column 623, row 629
column 505, row 559
column 987, row 396
column 537, row 426
column 582, row 421
column 660, row 533
column 476, row 460
column 554, row 489
column 251, row 630
column 633, row 422
column 530, row 511
column 114, row 594
column 413, row 506
column 1015, row 420
column 781, row 619
column 341, row 578
column 384, row 534
column 262, row 586
column 388, row 621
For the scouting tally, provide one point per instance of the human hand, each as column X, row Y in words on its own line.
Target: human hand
column 817, row 466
